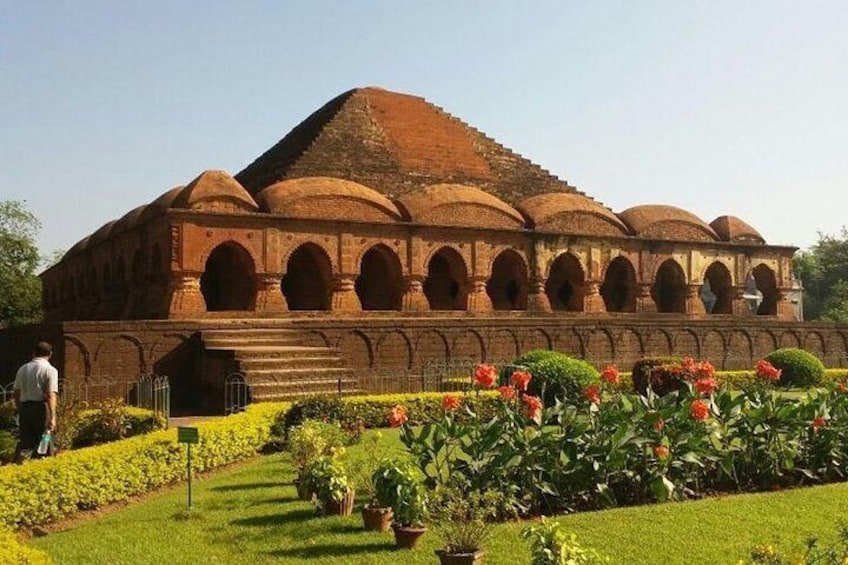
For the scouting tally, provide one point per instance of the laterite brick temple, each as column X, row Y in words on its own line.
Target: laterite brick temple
column 382, row 233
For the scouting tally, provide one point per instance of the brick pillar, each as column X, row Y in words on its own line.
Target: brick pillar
column 644, row 301
column 414, row 299
column 185, row 294
column 592, row 299
column 269, row 295
column 694, row 304
column 784, row 306
column 537, row 298
column 478, row 300
column 740, row 305
column 344, row 297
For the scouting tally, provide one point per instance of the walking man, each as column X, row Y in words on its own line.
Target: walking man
column 35, row 390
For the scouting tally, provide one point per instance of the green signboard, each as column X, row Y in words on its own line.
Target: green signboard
column 187, row 435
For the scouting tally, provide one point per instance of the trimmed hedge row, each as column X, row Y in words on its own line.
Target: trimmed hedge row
column 91, row 429
column 740, row 379
column 13, row 552
column 421, row 408
column 49, row 489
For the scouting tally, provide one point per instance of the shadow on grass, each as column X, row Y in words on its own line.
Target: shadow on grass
column 250, row 486
column 332, row 550
column 279, row 500
column 276, row 519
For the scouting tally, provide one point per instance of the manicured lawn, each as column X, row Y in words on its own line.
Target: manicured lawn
column 251, row 515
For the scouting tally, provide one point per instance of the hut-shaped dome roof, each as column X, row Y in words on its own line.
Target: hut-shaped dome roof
column 656, row 221
column 327, row 198
column 459, row 205
column 102, row 233
column 215, row 191
column 129, row 220
column 571, row 213
column 731, row 228
column 78, row 247
column 163, row 202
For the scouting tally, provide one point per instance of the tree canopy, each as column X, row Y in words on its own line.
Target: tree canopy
column 20, row 287
column 823, row 269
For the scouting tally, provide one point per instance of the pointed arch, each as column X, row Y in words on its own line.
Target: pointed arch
column 669, row 290
column 766, row 281
column 307, row 282
column 717, row 290
column 508, row 283
column 566, row 284
column 380, row 281
column 619, row 287
column 229, row 279
column 445, row 286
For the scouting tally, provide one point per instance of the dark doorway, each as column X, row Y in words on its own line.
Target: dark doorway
column 717, row 292
column 619, row 288
column 445, row 286
column 766, row 283
column 380, row 282
column 229, row 279
column 565, row 286
column 507, row 286
column 669, row 290
column 306, row 284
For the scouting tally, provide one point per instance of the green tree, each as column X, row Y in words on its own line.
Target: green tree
column 823, row 269
column 20, row 287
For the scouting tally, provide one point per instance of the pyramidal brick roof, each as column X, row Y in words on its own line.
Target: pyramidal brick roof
column 396, row 143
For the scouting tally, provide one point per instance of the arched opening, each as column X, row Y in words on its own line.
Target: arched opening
column 306, row 284
column 717, row 290
column 507, row 286
column 229, row 279
column 380, row 281
column 445, row 286
column 619, row 288
column 566, row 285
column 766, row 285
column 669, row 290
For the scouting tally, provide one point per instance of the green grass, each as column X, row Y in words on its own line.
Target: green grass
column 251, row 515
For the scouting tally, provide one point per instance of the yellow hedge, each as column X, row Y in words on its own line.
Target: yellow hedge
column 49, row 489
column 13, row 552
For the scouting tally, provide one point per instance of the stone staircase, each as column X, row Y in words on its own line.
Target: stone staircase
column 277, row 365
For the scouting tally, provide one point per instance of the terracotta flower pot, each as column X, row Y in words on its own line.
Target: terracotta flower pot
column 406, row 537
column 446, row 558
column 343, row 507
column 377, row 518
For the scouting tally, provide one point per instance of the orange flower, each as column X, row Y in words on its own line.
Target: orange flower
column 707, row 385
column 700, row 411
column 610, row 375
column 840, row 387
column 507, row 392
column 705, row 369
column 450, row 402
column 592, row 394
column 521, row 379
column 534, row 405
column 767, row 371
column 484, row 376
column 661, row 452
column 688, row 364
column 818, row 423
column 659, row 425
column 397, row 416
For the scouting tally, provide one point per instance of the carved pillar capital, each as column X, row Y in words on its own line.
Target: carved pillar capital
column 185, row 295
column 478, row 299
column 269, row 293
column 592, row 299
column 414, row 299
column 740, row 304
column 694, row 304
column 344, row 297
column 537, row 298
column 644, row 300
column 785, row 308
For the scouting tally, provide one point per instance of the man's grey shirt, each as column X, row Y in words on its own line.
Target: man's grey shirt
column 36, row 380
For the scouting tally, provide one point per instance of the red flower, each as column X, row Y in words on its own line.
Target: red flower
column 593, row 394
column 521, row 379
column 659, row 425
column 534, row 405
column 818, row 423
column 767, row 371
column 397, row 416
column 699, row 411
column 484, row 376
column 610, row 375
column 840, row 387
column 688, row 364
column 705, row 369
column 661, row 451
column 706, row 385
column 450, row 402
column 507, row 392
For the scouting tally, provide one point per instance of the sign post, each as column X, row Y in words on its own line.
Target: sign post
column 188, row 436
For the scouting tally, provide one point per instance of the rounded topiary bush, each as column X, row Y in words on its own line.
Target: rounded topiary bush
column 799, row 367
column 651, row 370
column 558, row 374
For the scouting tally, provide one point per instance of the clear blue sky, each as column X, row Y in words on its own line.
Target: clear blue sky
column 717, row 107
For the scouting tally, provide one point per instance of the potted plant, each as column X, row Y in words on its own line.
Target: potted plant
column 327, row 479
column 307, row 443
column 398, row 485
column 461, row 521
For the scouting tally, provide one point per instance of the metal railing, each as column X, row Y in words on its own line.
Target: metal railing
column 236, row 394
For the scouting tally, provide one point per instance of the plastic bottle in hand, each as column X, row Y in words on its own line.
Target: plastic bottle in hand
column 44, row 444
